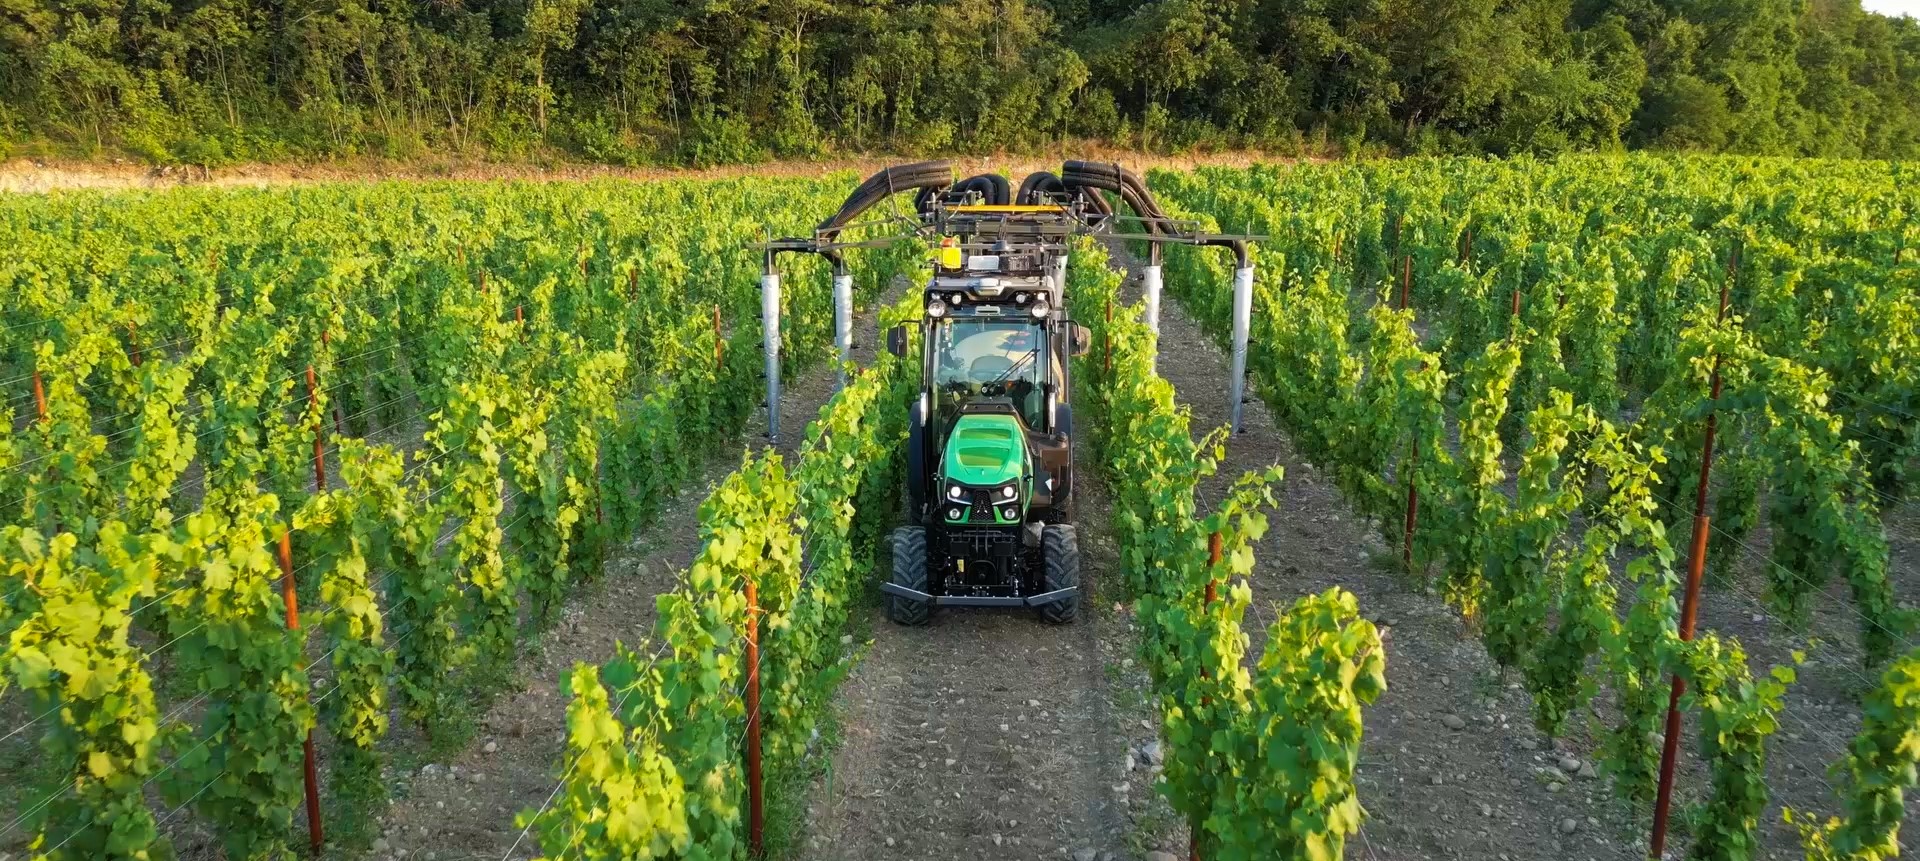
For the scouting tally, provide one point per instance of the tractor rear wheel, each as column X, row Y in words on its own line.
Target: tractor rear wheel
column 909, row 570
column 1060, row 556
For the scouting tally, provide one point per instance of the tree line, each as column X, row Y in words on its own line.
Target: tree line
column 714, row 81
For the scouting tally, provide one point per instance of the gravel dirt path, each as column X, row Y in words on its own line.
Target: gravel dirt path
column 1450, row 765
column 463, row 806
column 987, row 733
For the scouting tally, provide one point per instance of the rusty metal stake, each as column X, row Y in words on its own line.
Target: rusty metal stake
column 520, row 319
column 314, row 835
column 319, row 442
column 1690, row 602
column 756, row 812
column 1689, row 607
column 39, row 395
column 1213, row 560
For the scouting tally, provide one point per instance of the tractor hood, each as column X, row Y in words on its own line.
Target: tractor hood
column 986, row 450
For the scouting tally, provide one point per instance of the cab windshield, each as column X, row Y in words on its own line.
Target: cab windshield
column 990, row 359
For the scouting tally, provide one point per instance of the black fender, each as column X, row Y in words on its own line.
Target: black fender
column 1063, row 471
column 919, row 470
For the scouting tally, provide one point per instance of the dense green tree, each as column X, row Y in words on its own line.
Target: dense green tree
column 706, row 81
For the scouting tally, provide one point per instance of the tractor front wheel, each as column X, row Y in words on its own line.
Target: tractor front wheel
column 909, row 570
column 1060, row 554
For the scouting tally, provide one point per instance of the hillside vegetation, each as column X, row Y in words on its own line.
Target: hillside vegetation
column 646, row 82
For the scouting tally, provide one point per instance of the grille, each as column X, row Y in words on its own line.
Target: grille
column 982, row 509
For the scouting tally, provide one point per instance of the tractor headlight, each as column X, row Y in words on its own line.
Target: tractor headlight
column 1008, row 492
column 954, row 513
column 954, row 491
column 1010, row 513
column 1040, row 310
column 936, row 309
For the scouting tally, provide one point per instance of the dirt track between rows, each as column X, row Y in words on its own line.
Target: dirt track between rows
column 463, row 806
column 991, row 735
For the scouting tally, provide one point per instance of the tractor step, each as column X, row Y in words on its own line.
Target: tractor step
column 1041, row 599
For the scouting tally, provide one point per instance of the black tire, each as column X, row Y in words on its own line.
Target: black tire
column 909, row 570
column 1060, row 557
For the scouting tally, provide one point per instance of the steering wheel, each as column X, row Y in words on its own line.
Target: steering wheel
column 989, row 367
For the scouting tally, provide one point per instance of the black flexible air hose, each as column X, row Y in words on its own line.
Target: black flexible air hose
column 1112, row 177
column 975, row 185
column 994, row 189
column 919, row 175
column 1002, row 188
column 1096, row 202
column 886, row 182
column 1038, row 183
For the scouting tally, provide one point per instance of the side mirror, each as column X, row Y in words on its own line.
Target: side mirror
column 897, row 341
column 1082, row 340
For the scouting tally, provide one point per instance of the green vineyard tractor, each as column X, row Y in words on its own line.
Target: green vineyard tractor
column 990, row 490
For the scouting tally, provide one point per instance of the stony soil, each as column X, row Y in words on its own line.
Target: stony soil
column 986, row 734
column 464, row 806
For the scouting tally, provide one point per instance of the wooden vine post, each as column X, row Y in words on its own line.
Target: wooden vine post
column 756, row 810
column 314, row 835
column 319, row 442
column 1690, row 603
column 719, row 346
column 133, row 343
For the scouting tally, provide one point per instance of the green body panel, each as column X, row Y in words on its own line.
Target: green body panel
column 985, row 450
